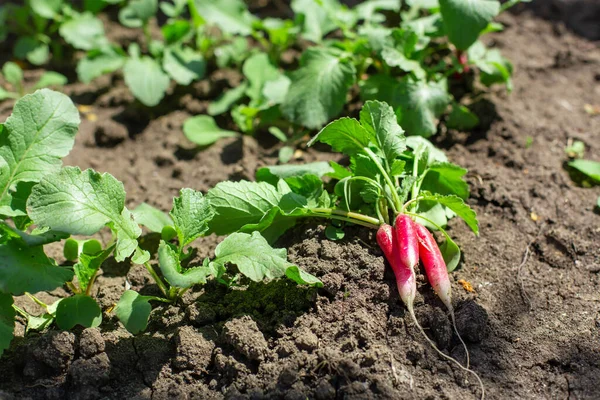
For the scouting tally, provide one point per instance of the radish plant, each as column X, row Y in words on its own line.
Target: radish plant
column 42, row 202
column 391, row 179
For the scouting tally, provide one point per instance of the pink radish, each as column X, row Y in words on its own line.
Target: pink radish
column 405, row 277
column 400, row 246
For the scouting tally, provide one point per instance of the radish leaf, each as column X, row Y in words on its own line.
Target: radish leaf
column 203, row 130
column 81, row 203
column 344, row 135
column 146, row 80
column 457, row 205
column 446, row 178
column 272, row 174
column 420, row 104
column 239, row 203
column 170, row 266
column 133, row 310
column 191, row 213
column 39, row 132
column 257, row 260
column 379, row 119
column 319, row 87
column 151, row 217
column 78, row 310
column 28, row 269
column 465, row 19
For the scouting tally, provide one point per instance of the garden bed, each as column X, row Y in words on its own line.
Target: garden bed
column 532, row 321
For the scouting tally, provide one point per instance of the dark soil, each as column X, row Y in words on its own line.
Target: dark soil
column 532, row 324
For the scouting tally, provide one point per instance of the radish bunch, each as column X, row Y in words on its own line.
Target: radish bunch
column 403, row 245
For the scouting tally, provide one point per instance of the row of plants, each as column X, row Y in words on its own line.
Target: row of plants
column 42, row 202
column 402, row 54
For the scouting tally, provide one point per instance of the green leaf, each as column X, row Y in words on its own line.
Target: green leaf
column 259, row 70
column 345, row 135
column 51, row 78
column 96, row 64
column 231, row 16
column 232, row 53
column 587, row 167
column 176, row 30
column 88, row 265
column 30, row 48
column 191, row 213
column 450, row 252
column 7, row 321
column 272, row 174
column 395, row 58
column 227, row 99
column 461, row 118
column 39, row 132
column 420, row 104
column 28, row 269
column 446, row 178
column 274, row 91
column 334, row 233
column 83, row 31
column 379, row 119
column 465, row 19
column 151, row 217
column 146, row 80
column 494, row 68
column 46, row 8
column 137, row 12
column 257, row 260
column 285, row 154
column 317, row 17
column 239, row 203
column 5, row 94
column 319, row 87
column 183, row 64
column 78, row 310
column 39, row 323
column 457, row 205
column 203, row 130
column 37, row 237
column 339, row 172
column 12, row 73
column 133, row 310
column 81, row 203
column 170, row 266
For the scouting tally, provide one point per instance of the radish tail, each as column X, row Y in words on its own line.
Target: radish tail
column 447, row 357
column 459, row 337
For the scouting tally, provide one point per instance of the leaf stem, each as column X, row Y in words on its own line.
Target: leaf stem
column 73, row 288
column 410, row 202
column 386, row 177
column 21, row 312
column 36, row 300
column 348, row 216
column 159, row 282
column 161, row 299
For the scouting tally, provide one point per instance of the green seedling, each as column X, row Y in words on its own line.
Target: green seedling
column 42, row 202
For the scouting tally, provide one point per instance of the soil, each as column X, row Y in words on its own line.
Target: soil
column 532, row 322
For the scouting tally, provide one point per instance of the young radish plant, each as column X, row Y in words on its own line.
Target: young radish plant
column 42, row 202
column 390, row 178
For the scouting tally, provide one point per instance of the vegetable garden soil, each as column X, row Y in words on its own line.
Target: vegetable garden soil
column 532, row 324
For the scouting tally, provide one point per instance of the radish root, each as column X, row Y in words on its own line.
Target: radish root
column 447, row 357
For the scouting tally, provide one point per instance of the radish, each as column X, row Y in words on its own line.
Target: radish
column 401, row 246
column 405, row 277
